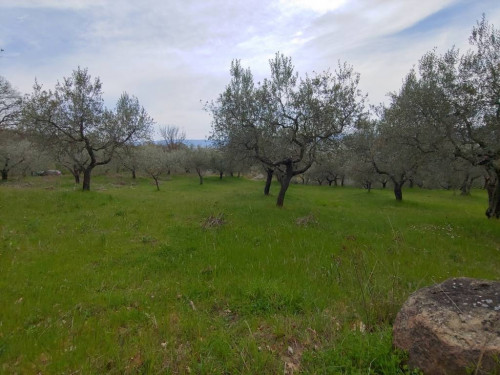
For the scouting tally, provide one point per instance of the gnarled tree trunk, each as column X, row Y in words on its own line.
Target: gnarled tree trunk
column 398, row 190
column 493, row 189
column 5, row 170
column 157, row 183
column 200, row 175
column 368, row 186
column 284, row 179
column 75, row 172
column 86, row 177
column 465, row 187
column 269, row 179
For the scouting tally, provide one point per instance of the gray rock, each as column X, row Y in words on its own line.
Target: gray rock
column 452, row 327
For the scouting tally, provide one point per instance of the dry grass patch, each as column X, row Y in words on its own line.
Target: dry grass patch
column 214, row 221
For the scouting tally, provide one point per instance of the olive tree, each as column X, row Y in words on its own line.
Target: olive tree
column 474, row 94
column 152, row 160
column 329, row 167
column 73, row 116
column 218, row 162
column 197, row 158
column 377, row 147
column 234, row 163
column 129, row 158
column 285, row 120
column 403, row 138
column 361, row 170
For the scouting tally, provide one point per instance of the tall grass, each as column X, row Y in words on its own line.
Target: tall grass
column 214, row 278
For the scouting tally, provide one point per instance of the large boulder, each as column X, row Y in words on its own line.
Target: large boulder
column 452, row 327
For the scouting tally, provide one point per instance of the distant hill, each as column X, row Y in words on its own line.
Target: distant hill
column 198, row 142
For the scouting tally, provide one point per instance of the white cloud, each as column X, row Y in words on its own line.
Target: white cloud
column 55, row 4
column 317, row 6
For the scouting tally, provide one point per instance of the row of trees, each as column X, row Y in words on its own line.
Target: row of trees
column 70, row 127
column 159, row 160
column 445, row 117
column 448, row 108
column 441, row 129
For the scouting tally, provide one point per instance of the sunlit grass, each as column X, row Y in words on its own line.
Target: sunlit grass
column 125, row 279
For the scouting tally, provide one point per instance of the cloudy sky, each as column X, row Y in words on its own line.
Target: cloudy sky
column 175, row 54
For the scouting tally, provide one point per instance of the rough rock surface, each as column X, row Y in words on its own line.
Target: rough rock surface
column 452, row 327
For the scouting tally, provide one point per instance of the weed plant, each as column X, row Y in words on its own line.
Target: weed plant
column 214, row 278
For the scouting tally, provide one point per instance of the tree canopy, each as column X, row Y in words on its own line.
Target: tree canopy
column 73, row 117
column 10, row 104
column 284, row 121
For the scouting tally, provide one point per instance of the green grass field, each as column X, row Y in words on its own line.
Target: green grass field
column 214, row 279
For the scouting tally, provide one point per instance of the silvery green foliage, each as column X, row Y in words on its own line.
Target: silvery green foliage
column 15, row 152
column 452, row 103
column 10, row 104
column 152, row 160
column 197, row 159
column 13, row 148
column 73, row 117
column 284, row 121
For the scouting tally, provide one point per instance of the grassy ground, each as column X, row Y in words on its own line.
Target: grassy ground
column 216, row 279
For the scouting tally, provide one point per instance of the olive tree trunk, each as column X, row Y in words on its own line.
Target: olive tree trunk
column 157, row 183
column 75, row 172
column 269, row 179
column 284, row 180
column 86, row 177
column 493, row 189
column 398, row 190
column 5, row 170
column 200, row 175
